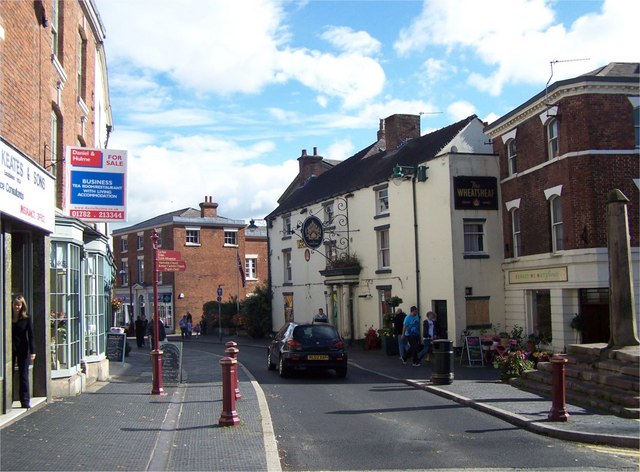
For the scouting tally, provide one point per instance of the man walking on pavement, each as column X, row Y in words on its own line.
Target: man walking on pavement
column 412, row 333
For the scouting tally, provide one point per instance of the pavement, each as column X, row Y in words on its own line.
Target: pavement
column 120, row 425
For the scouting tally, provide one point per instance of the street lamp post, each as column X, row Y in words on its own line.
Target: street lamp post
column 156, row 354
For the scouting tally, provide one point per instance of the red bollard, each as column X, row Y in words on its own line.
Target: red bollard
column 558, row 406
column 229, row 415
column 232, row 352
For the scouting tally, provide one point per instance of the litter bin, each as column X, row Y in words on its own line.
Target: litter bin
column 442, row 373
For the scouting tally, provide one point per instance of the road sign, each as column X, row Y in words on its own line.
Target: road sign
column 169, row 265
column 219, row 299
column 168, row 254
column 219, row 291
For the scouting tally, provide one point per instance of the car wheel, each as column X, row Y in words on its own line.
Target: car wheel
column 270, row 364
column 282, row 370
column 341, row 372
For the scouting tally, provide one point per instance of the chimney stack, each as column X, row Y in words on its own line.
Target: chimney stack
column 400, row 128
column 208, row 208
column 309, row 165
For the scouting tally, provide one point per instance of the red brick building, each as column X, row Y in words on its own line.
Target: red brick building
column 215, row 250
column 561, row 153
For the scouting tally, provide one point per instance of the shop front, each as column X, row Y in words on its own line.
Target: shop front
column 27, row 202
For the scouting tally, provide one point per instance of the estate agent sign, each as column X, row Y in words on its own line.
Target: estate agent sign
column 96, row 184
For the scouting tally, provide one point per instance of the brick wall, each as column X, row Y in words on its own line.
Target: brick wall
column 586, row 122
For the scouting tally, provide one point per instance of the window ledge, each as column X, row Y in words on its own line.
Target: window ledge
column 192, row 244
column 230, row 245
column 383, row 271
column 476, row 256
column 381, row 215
column 286, row 237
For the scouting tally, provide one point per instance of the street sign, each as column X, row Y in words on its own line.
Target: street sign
column 219, row 299
column 168, row 254
column 219, row 291
column 169, row 265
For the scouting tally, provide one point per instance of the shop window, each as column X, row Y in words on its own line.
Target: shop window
column 64, row 301
column 541, row 313
column 96, row 302
column 288, row 307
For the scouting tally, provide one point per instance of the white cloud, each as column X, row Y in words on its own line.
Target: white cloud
column 460, row 110
column 340, row 150
column 348, row 40
column 517, row 39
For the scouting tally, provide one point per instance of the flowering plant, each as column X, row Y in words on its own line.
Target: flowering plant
column 512, row 365
column 385, row 332
column 116, row 303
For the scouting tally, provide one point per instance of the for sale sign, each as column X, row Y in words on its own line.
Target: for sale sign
column 96, row 184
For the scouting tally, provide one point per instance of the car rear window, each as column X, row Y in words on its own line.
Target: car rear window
column 315, row 332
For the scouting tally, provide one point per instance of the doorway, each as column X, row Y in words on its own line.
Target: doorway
column 594, row 306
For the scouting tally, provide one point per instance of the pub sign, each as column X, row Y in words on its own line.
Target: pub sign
column 475, row 193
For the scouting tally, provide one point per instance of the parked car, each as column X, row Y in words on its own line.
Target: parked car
column 307, row 346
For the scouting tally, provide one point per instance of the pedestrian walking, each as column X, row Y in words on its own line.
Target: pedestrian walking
column 189, row 325
column 430, row 332
column 398, row 331
column 24, row 351
column 140, row 332
column 183, row 326
column 412, row 333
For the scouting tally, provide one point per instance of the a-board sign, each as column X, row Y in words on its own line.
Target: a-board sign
column 116, row 346
column 472, row 350
column 171, row 363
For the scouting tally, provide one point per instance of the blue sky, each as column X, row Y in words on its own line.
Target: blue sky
column 219, row 97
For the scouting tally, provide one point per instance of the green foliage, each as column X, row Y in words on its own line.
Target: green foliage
column 346, row 260
column 577, row 322
column 257, row 310
column 393, row 301
column 512, row 365
column 516, row 333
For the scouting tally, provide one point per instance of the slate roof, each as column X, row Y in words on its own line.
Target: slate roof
column 184, row 216
column 365, row 169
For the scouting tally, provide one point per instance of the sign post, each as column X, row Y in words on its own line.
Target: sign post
column 156, row 354
column 219, row 292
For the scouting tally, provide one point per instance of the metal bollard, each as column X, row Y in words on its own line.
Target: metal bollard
column 232, row 352
column 229, row 415
column 558, row 406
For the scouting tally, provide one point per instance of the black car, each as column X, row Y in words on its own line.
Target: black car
column 307, row 346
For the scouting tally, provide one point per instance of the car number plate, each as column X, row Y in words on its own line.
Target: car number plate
column 318, row 357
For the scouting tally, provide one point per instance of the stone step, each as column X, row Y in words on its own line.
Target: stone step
column 536, row 383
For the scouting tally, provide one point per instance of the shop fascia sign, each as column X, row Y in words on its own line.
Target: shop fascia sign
column 27, row 191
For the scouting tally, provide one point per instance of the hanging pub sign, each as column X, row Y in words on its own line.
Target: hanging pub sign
column 313, row 232
column 475, row 193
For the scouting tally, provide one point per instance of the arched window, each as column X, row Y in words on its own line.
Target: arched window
column 515, row 232
column 552, row 138
column 512, row 154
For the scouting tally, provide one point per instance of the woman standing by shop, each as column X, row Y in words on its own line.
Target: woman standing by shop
column 23, row 346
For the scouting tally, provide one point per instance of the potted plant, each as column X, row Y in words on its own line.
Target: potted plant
column 388, row 341
column 512, row 365
column 345, row 264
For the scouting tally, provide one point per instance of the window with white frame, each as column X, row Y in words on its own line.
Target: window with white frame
column 251, row 266
column 230, row 237
column 82, row 65
column 96, row 300
column 140, row 241
column 552, row 138
column 56, row 16
column 474, row 236
column 192, row 237
column 382, row 201
column 512, row 154
column 140, row 272
column 328, row 212
column 124, row 244
column 557, row 229
column 286, row 225
column 384, row 255
column 124, row 273
column 515, row 232
column 331, row 251
column 286, row 258
column 159, row 233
